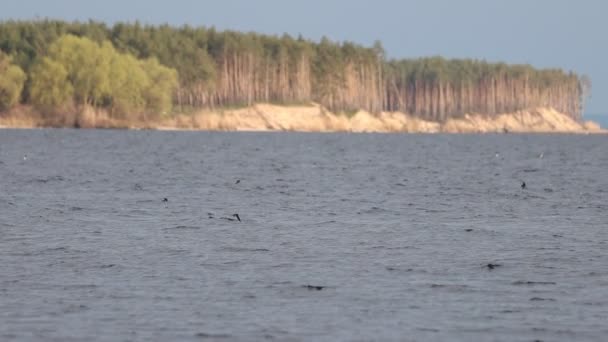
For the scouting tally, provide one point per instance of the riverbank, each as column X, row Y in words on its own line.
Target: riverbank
column 312, row 118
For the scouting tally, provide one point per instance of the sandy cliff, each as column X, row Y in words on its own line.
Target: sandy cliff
column 265, row 117
column 313, row 118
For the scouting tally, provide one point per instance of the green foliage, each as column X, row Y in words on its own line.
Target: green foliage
column 182, row 49
column 12, row 79
column 128, row 82
column 49, row 86
column 87, row 64
column 163, row 82
column 88, row 73
column 328, row 67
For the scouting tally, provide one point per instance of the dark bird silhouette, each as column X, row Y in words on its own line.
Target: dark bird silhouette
column 237, row 181
column 165, row 199
column 492, row 266
column 468, row 230
column 523, row 185
column 237, row 218
column 315, row 288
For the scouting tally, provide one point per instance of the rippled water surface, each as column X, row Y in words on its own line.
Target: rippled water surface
column 342, row 236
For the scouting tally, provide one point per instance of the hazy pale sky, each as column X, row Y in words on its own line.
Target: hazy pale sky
column 569, row 34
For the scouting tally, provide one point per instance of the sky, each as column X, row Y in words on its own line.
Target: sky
column 567, row 34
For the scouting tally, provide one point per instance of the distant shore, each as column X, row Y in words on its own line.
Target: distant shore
column 314, row 118
column 92, row 75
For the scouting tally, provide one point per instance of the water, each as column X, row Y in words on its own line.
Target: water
column 398, row 229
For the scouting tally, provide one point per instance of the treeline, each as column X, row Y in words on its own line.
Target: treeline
column 141, row 68
column 12, row 79
column 78, row 71
column 435, row 88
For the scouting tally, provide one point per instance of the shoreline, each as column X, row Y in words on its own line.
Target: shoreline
column 313, row 118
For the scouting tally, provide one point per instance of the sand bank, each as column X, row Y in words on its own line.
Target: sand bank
column 315, row 118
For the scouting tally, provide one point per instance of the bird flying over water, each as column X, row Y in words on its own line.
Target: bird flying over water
column 237, row 218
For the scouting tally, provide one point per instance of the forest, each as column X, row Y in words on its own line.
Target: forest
column 135, row 70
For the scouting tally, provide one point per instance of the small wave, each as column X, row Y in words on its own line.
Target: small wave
column 182, row 227
column 532, row 283
column 455, row 287
column 392, row 248
column 318, row 223
column 279, row 284
column 373, row 210
column 529, row 195
column 73, row 308
column 79, row 286
column 211, row 336
column 171, row 251
column 146, row 201
column 22, row 254
column 401, row 247
column 49, row 179
column 398, row 269
column 243, row 249
column 509, row 311
column 62, row 249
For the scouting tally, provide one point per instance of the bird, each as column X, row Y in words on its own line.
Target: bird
column 237, row 181
column 523, row 185
column 237, row 218
column 165, row 199
column 492, row 266
column 314, row 287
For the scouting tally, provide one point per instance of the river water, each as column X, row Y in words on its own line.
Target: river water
column 353, row 237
